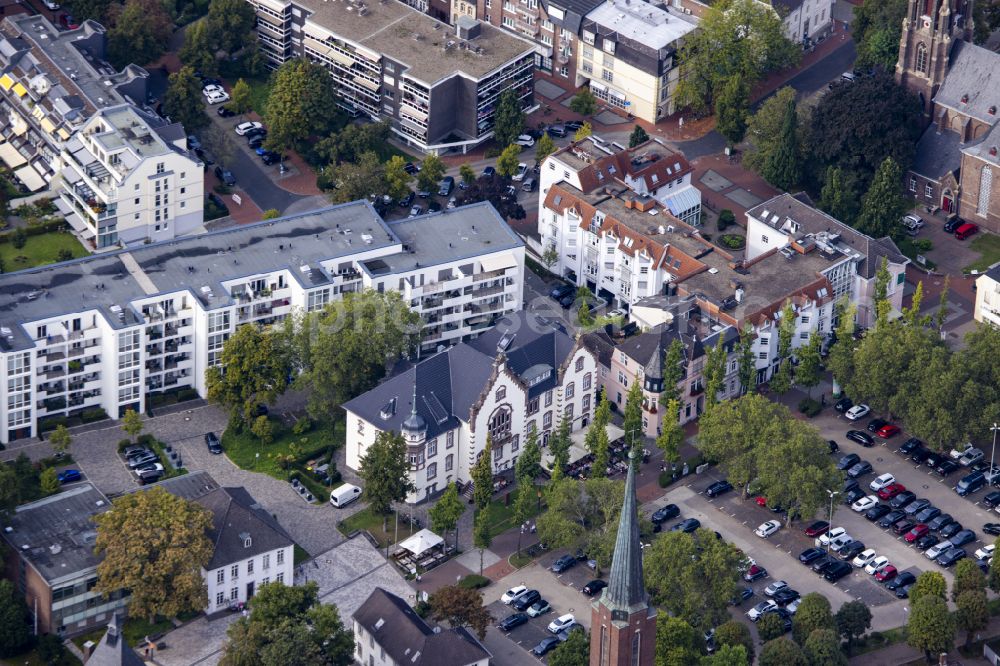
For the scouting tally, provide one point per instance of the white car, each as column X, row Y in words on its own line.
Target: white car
column 840, row 542
column 760, row 609
column 985, row 552
column 243, row 128
column 767, row 529
column 881, row 482
column 912, row 221
column 217, row 97
column 824, row 539
column 858, row 412
column 864, row 504
column 51, row 4
column 935, row 550
column 960, row 450
column 794, row 606
column 513, row 593
column 864, row 558
column 211, row 88
column 562, row 622
column 522, row 169
column 773, row 588
column 876, row 565
column 525, row 140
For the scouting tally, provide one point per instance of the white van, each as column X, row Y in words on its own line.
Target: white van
column 344, row 495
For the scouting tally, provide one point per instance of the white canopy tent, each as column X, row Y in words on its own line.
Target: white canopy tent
column 577, row 447
column 421, row 542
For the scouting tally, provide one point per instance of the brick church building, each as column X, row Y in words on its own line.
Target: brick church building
column 957, row 168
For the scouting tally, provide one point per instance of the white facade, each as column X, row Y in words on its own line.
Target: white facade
column 803, row 19
column 237, row 582
column 988, row 298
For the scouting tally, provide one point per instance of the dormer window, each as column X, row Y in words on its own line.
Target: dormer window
column 245, row 538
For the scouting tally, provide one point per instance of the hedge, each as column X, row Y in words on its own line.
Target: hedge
column 474, row 582
column 36, row 229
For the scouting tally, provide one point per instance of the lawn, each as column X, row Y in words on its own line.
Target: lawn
column 43, row 249
column 260, row 90
column 136, row 629
column 243, row 448
column 988, row 247
column 32, row 659
column 367, row 520
column 500, row 517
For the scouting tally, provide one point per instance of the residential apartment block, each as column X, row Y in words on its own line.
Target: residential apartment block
column 521, row 373
column 437, row 85
column 988, row 297
column 804, row 20
column 107, row 330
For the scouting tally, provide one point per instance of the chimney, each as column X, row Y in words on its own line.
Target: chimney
column 88, row 650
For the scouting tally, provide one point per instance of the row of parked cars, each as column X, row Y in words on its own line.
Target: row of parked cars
column 528, row 604
column 144, row 463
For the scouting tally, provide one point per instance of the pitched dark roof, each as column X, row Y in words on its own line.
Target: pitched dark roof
column 600, row 344
column 646, row 348
column 409, row 640
column 235, row 516
column 973, row 73
column 938, row 153
column 625, row 590
column 112, row 650
column 574, row 11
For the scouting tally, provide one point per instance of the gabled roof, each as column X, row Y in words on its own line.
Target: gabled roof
column 113, row 650
column 973, row 74
column 647, row 349
column 408, row 640
column 938, row 153
column 986, row 149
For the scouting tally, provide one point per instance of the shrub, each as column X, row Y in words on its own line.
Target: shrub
column 52, row 422
column 733, row 241
column 666, row 478
column 294, row 475
column 64, row 255
column 123, row 444
column 302, row 425
column 92, row 415
column 19, row 238
column 810, row 407
column 726, row 219
column 474, row 582
column 145, row 439
column 186, row 394
column 923, row 245
column 422, row 608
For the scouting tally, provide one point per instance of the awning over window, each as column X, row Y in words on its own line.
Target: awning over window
column 600, row 87
column 10, row 156
column 30, row 177
column 498, row 262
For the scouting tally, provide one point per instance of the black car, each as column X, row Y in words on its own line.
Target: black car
column 270, row 157
column 562, row 290
column 410, row 168
column 810, row 555
column 225, row 112
column 916, row 506
column 948, row 467
column 861, row 437
column 904, row 592
column 563, row 563
column 993, row 529
column 850, row 484
column 902, row 499
column 593, row 587
column 546, row 645
column 902, row 526
column 213, row 443
column 888, row 519
column 848, row 461
column 837, row 571
column 225, row 176
column 962, row 537
column 665, row 513
column 822, row 564
column 950, row 530
column 254, row 142
column 843, row 404
column 950, row 556
column 853, row 495
column 926, row 541
column 902, row 580
column 573, row 125
column 927, row 514
column 785, row 596
column 524, row 601
column 876, row 424
column 910, row 445
column 718, row 488
column 935, row 459
column 920, row 455
column 860, row 469
column 567, row 300
column 513, row 621
column 557, row 131
column 149, row 476
column 745, row 593
column 877, row 511
column 852, row 550
column 954, row 223
column 687, row 526
column 489, row 172
column 940, row 521
column 407, row 201
column 992, row 499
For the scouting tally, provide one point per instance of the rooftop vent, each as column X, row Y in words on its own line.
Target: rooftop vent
column 379, row 624
column 55, row 549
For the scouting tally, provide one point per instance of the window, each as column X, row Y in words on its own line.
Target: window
column 220, row 599
column 805, row 319
column 451, row 439
column 432, row 471
column 913, row 185
column 763, row 341
column 762, row 356
column 587, row 378
column 501, row 393
column 985, row 185
column 608, row 75
column 280, row 578
column 928, row 191
column 234, row 593
column 922, row 58
column 515, row 443
column 586, row 403
column 621, row 378
column 220, row 576
column 579, row 364
column 449, row 462
column 548, row 398
column 247, row 542
column 281, row 557
column 763, row 239
column 547, row 421
column 498, row 452
column 249, row 565
column 804, row 336
column 533, row 406
column 432, row 448
column 160, row 168
column 570, row 390
column 569, row 411
column 265, row 561
column 499, row 426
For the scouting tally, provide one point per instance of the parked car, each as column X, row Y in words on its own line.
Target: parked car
column 877, row 512
column 902, row 526
column 771, row 589
column 860, row 469
column 142, row 459
column 755, row 572
column 557, row 131
column 853, row 495
column 687, row 526
column 888, row 431
column 489, row 172
column 760, row 609
column 561, row 623
column 919, row 456
column 837, row 544
column 861, row 437
column 217, row 97
column 825, row 538
column 993, row 529
column 524, row 140
column 225, row 176
column 962, row 537
column 927, row 514
column 951, row 556
column 971, row 457
column 810, row 555
column 843, row 404
column 415, row 209
column 985, row 552
column 149, row 476
column 864, row 504
column 917, row 531
column 744, row 594
column 902, row 499
column 935, row 550
column 767, row 528
column 926, row 541
column 511, row 622
column 848, row 461
column 966, row 230
column 665, row 513
column 934, row 459
column 960, row 450
column 213, row 443
column 837, row 571
column 901, row 580
column 522, row 170
column 864, row 558
column 876, row 424
column 786, row 596
column 948, row 467
column 269, row 157
column 525, row 600
column 857, row 412
column 446, row 185
column 210, row 88
column 886, row 573
column 912, row 223
column 952, row 224
column 851, row 550
column 149, row 467
column 718, row 488
column 513, row 593
column 950, row 530
column 245, row 127
column 891, row 490
column 593, row 587
column 917, row 505
column 225, row 112
column 540, row 607
column 817, row 528
column 69, row 476
column 564, row 563
column 821, row 565
column 970, row 483
column 939, row 521
column 910, row 445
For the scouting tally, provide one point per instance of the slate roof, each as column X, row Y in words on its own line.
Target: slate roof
column 625, row 590
column 600, row 344
column 938, row 153
column 972, row 71
column 649, row 347
column 994, row 273
column 981, row 149
column 407, row 639
column 449, row 383
column 574, row 10
column 113, row 650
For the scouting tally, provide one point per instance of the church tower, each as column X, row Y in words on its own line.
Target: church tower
column 930, row 29
column 623, row 624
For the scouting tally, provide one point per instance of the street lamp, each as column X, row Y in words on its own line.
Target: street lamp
column 832, row 494
column 994, row 428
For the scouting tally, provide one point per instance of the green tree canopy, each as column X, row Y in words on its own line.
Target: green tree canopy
column 822, row 648
column 637, row 137
column 397, row 180
column 508, row 160
column 482, row 476
column 877, row 28
column 138, row 32
column 15, row 632
column 783, row 165
column 431, row 172
column 584, row 103
column 508, row 118
column 839, row 196
column 301, row 103
column 254, row 371
column 240, row 95
column 764, row 128
column 197, row 51
column 529, row 463
column 544, row 147
column 677, row 642
column 818, row 615
column 732, row 107
column 853, row 620
column 574, row 651
column 781, row 652
column 231, row 25
column 446, row 512
column 929, row 584
column 385, row 471
column 357, row 180
column 931, row 627
column 461, row 607
column 584, row 513
column 60, row 438
column 735, row 633
column 183, row 101
column 883, row 206
column 972, row 614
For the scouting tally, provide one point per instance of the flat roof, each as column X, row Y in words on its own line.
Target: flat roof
column 57, row 534
column 642, row 22
column 407, row 36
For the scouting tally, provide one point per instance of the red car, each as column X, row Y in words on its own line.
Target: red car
column 817, row 528
column 886, row 574
column 891, row 491
column 916, row 532
column 887, row 431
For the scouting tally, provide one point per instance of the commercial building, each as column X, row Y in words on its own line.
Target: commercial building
column 437, row 85
column 628, row 55
column 108, row 330
column 988, row 297
column 53, row 564
column 523, row 373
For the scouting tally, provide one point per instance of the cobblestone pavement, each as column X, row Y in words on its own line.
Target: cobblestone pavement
column 197, row 642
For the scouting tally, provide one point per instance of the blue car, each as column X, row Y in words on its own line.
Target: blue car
column 69, row 475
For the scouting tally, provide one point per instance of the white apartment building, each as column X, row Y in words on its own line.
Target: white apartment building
column 803, row 20
column 988, row 297
column 107, row 330
column 130, row 181
column 523, row 372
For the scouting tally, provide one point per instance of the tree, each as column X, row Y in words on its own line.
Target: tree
column 262, row 429
column 770, row 626
column 559, row 446
column 138, row 32
column 446, row 512
column 270, row 214
column 671, row 433
column 810, row 369
column 544, row 147
column 344, row 350
column 968, row 578
column 254, row 371
column 714, row 372
column 524, row 498
column 637, row 137
column 692, row 576
column 735, row 633
column 942, row 311
column 783, row 166
column 482, row 476
column 183, row 101
column 385, row 471
column 467, row 174
column 301, row 103
column 673, row 371
column 931, row 627
column 132, row 424
column 764, row 128
column 737, row 39
column 993, row 580
column 840, row 360
column 677, row 642
column 781, row 381
column 973, row 613
column 584, row 103
column 357, row 180
column 596, row 439
column 822, row 648
column 853, row 620
column 219, row 142
column 781, row 652
column 197, row 51
column 839, row 195
column 19, row 238
column 397, row 180
column 508, row 161
column 747, row 369
column 15, row 632
column 817, row 615
column 460, row 607
column 508, row 119
column 727, row 655
column 288, row 626
column 49, row 481
column 529, row 463
column 882, row 207
column 585, row 130
column 574, row 651
column 929, row 584
column 155, row 545
column 60, row 439
column 878, row 23
column 732, row 106
column 585, row 512
column 550, row 256
column 632, row 423
column 431, row 172
column 481, row 536
column 231, row 25
column 493, row 189
column 240, row 97
column 9, row 489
